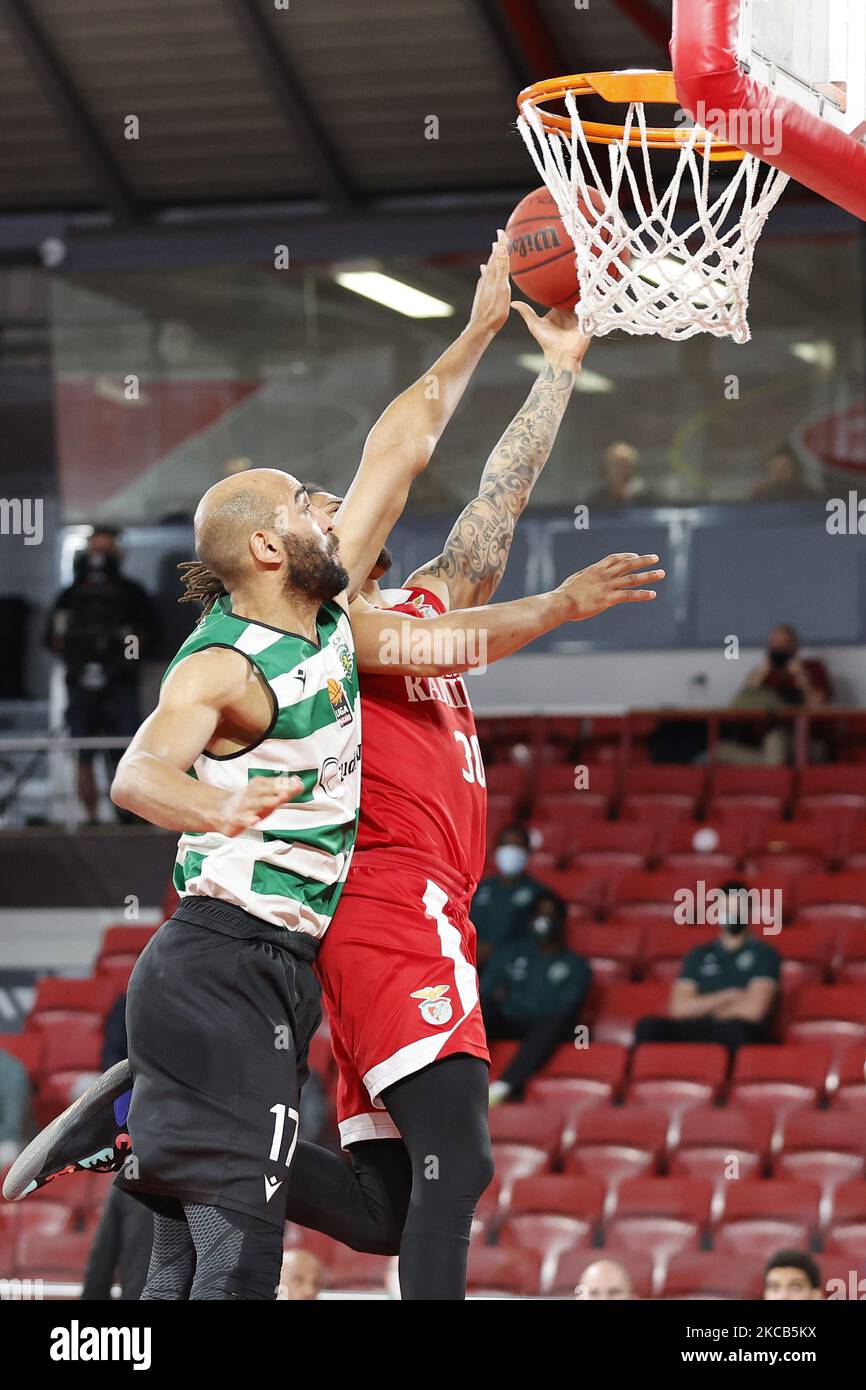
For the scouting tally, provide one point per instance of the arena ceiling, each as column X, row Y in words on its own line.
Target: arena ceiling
column 126, row 117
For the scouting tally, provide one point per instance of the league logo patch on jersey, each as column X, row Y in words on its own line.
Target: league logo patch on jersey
column 339, row 703
column 434, row 1009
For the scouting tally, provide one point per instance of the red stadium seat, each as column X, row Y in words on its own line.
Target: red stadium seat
column 829, row 890
column 841, row 1276
column 58, row 1254
column 619, row 1143
column 804, row 1065
column 708, row 1275
column 622, row 1005
column 705, row 837
column 822, row 1146
column 560, row 777
column 505, row 779
column 116, row 971
column 586, row 887
column 612, row 952
column 497, row 1271
column 703, row 1062
column 60, row 1001
column 559, row 1194
column 574, row 1263
column 847, row 1230
column 665, row 948
column 684, row 779
column 28, row 1047
column 778, row 1080
column 733, row 781
column 43, row 1215
column 602, row 1063
column 833, row 1013
column 527, row 1124
column 849, row 1092
column 659, row 810
column 662, row 1216
column 612, row 844
column 125, row 940
column 726, row 1127
column 551, row 1214
column 69, row 1046
column 513, row 1161
column 663, row 886
column 806, row 953
column 711, row 1137
column 768, row 1214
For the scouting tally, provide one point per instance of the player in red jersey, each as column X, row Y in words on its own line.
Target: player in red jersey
column 398, row 969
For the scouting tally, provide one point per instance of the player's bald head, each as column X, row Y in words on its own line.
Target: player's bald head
column 259, row 499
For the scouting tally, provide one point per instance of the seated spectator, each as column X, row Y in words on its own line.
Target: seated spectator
column 727, row 988
column 301, row 1277
column 783, row 480
column 624, row 485
column 121, row 1250
column 533, row 988
column 15, row 1114
column 605, row 1279
column 502, row 903
column 792, row 1276
column 782, row 679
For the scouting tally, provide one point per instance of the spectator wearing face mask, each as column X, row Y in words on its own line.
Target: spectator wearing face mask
column 727, row 989
column 533, row 988
column 100, row 627
column 502, row 903
column 781, row 679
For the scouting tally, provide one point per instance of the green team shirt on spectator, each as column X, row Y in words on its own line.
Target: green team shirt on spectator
column 500, row 908
column 713, row 967
column 535, row 984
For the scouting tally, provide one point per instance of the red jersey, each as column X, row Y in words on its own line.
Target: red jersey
column 423, row 787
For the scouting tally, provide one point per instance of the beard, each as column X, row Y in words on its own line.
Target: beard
column 312, row 570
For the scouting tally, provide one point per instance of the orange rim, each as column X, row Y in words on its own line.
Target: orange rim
column 625, row 87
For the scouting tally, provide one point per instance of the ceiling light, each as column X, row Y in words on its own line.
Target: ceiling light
column 394, row 294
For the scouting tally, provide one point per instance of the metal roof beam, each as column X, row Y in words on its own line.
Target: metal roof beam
column 294, row 103
column 104, row 171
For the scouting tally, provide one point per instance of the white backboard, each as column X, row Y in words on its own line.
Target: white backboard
column 811, row 51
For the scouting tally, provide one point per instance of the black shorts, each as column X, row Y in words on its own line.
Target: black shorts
column 220, row 1012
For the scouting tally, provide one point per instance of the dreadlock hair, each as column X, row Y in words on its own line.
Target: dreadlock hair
column 200, row 585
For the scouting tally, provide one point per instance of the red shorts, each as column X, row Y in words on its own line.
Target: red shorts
column 397, row 968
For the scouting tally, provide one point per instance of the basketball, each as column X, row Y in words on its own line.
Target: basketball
column 542, row 252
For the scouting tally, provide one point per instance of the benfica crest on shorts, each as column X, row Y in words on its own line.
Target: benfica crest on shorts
column 434, row 1009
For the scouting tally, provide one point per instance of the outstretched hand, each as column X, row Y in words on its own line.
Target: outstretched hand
column 615, row 579
column 493, row 294
column 557, row 334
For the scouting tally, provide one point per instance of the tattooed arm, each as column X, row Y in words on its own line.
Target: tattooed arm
column 469, row 569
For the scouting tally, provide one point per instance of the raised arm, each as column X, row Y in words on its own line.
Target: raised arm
column 475, row 637
column 400, row 444
column 472, row 562
column 209, row 689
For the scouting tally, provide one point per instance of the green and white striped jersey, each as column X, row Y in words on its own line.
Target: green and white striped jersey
column 291, row 869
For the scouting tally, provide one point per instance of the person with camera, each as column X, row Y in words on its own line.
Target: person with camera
column 781, row 679
column 99, row 627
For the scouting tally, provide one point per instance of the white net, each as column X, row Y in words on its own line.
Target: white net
column 672, row 272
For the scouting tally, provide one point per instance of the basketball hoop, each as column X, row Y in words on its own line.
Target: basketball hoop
column 688, row 271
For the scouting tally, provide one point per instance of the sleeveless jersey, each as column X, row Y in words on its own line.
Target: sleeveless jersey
column 423, row 786
column 291, row 868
